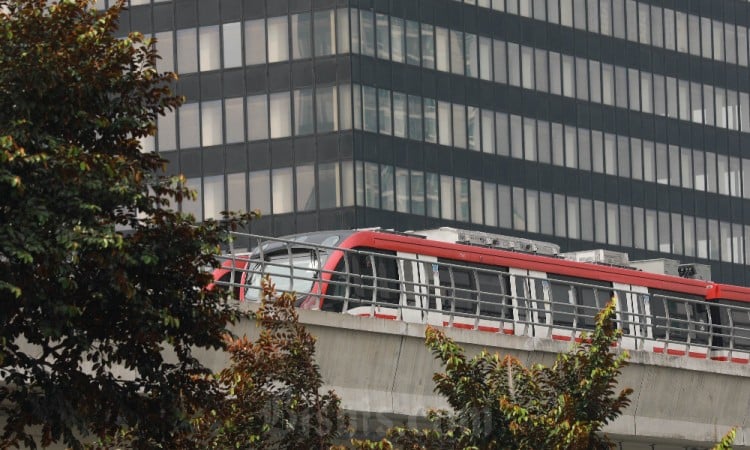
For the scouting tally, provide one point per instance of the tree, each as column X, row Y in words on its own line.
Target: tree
column 500, row 404
column 273, row 388
column 100, row 280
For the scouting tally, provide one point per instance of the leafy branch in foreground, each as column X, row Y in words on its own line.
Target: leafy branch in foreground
column 272, row 386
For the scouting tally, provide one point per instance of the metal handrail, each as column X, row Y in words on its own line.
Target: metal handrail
column 522, row 312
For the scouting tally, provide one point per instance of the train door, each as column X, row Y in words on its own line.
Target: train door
column 633, row 315
column 420, row 288
column 530, row 291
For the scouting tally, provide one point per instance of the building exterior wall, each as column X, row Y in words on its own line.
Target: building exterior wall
column 588, row 123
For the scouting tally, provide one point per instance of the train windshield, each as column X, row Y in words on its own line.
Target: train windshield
column 293, row 272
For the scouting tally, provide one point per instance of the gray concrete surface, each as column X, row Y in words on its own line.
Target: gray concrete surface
column 383, row 373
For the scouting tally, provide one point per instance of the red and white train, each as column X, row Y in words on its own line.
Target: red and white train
column 494, row 283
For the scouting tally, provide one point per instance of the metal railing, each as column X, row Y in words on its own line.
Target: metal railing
column 493, row 299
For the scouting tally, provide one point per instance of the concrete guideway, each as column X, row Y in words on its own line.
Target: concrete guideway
column 383, row 372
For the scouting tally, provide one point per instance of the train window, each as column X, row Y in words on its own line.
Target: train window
column 577, row 301
column 459, row 288
column 364, row 282
column 741, row 328
column 738, row 328
column 494, row 299
column 682, row 315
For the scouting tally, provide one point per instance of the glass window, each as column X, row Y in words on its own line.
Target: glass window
column 459, row 126
column 633, row 89
column 618, row 16
column 516, row 136
column 432, row 189
column 490, row 204
column 582, row 81
column 571, row 147
column 342, row 30
column 742, row 54
column 568, row 76
column 499, row 62
column 383, row 36
column 166, row 136
column 529, row 139
column 278, row 39
column 541, row 70
column 485, row 58
column 387, row 189
column 234, row 118
column 514, row 64
column 306, row 191
column 165, row 49
column 445, row 123
column 631, row 11
column 462, row 199
column 211, row 132
column 649, row 161
column 621, row 87
column 446, row 197
column 457, row 52
column 623, row 156
column 282, row 187
column 189, row 125
column 472, row 57
column 428, row 46
column 519, row 209
column 399, row 114
column 608, row 84
column 430, row 120
column 330, row 185
column 370, row 109
column 367, row 32
column 236, row 192
column 706, row 37
column 503, row 200
column 595, row 81
column 584, row 149
column 402, row 190
column 473, row 121
column 325, row 36
column 372, row 176
column 561, row 216
column 303, row 112
column 231, row 34
column 644, row 24
column 681, row 33
column 384, row 111
column 694, row 34
column 553, row 11
column 255, row 40
column 579, row 14
column 417, row 192
column 213, row 196
column 397, row 39
column 646, row 94
column 527, row 67
column 280, row 115
column 686, row 167
column 354, row 30
column 442, row 52
column 345, row 107
column 301, row 35
column 543, row 147
column 488, row 131
column 412, row 43
column 660, row 91
column 555, row 81
column 566, row 13
column 502, row 133
column 187, row 59
column 326, row 109
column 257, row 117
column 558, row 145
column 415, row 118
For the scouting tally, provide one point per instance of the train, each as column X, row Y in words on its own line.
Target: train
column 498, row 284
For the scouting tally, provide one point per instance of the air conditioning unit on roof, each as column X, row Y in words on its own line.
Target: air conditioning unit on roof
column 695, row 271
column 491, row 240
column 662, row 266
column 598, row 256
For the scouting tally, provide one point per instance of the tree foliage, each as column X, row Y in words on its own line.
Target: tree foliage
column 100, row 279
column 273, row 388
column 500, row 404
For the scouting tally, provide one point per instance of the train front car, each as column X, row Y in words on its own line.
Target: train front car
column 297, row 264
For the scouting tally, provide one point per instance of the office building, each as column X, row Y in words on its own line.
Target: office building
column 615, row 124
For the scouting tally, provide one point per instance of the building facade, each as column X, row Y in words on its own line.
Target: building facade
column 613, row 124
